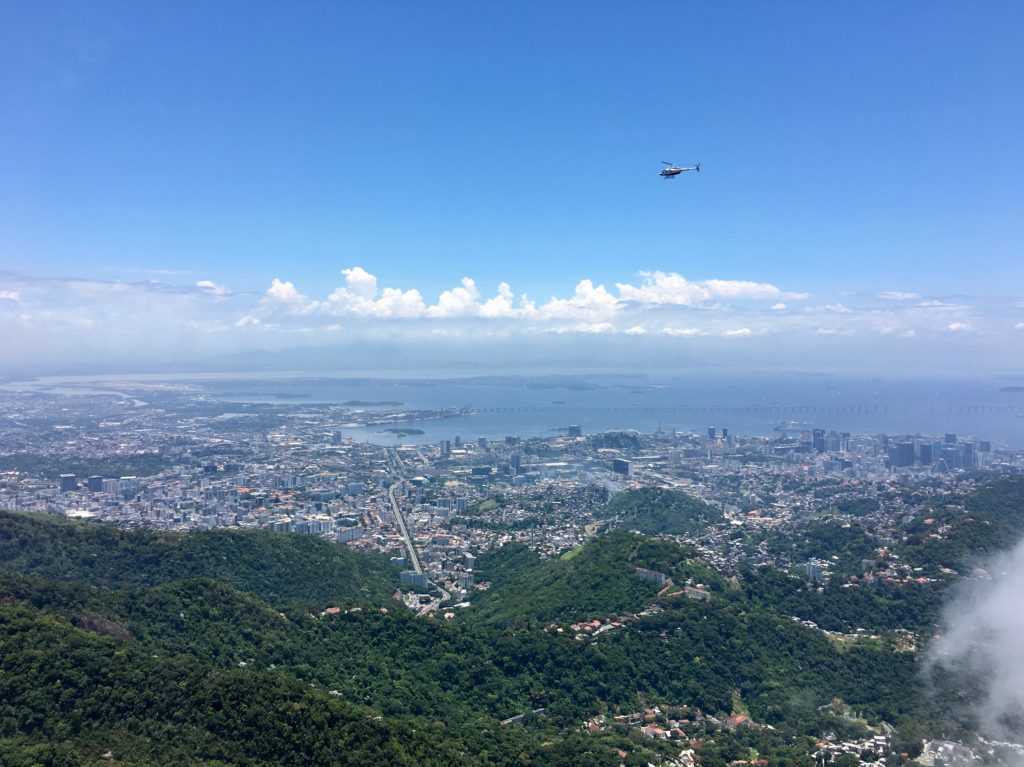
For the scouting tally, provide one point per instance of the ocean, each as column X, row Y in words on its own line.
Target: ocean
column 986, row 408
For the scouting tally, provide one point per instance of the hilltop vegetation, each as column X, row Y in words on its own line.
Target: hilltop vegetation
column 846, row 546
column 125, row 658
column 67, row 696
column 700, row 652
column 412, row 671
column 988, row 520
column 281, row 569
column 657, row 511
column 214, row 648
column 844, row 608
column 597, row 580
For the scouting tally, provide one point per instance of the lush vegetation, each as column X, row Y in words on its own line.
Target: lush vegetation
column 845, row 607
column 845, row 546
column 954, row 534
column 281, row 569
column 215, row 648
column 988, row 520
column 597, row 580
column 67, row 696
column 656, row 511
column 415, row 672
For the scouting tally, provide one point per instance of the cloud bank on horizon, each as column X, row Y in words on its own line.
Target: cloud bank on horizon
column 50, row 319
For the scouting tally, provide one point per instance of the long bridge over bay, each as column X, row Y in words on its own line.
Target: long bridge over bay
column 782, row 410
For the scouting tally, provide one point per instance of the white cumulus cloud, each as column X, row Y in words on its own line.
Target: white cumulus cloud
column 670, row 288
column 457, row 302
column 283, row 294
column 500, row 305
column 664, row 288
column 587, row 302
column 360, row 296
column 743, row 289
column 360, row 282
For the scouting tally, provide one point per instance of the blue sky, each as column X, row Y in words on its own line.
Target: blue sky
column 196, row 156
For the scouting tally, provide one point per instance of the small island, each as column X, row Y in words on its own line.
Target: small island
column 367, row 403
column 400, row 432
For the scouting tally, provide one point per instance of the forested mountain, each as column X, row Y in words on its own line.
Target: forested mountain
column 656, row 510
column 215, row 648
column 946, row 538
column 988, row 520
column 281, row 569
column 415, row 673
column 68, row 696
column 598, row 579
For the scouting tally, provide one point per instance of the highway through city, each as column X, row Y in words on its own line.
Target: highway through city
column 414, row 558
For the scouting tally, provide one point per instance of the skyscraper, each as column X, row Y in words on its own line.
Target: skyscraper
column 622, row 466
column 952, row 457
column 968, row 456
column 818, row 440
column 901, row 454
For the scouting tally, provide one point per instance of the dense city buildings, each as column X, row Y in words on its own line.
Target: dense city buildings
column 180, row 462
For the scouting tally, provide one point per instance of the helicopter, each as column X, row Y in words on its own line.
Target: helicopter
column 674, row 170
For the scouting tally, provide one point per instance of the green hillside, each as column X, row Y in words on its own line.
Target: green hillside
column 988, row 520
column 985, row 521
column 657, row 511
column 214, row 648
column 67, row 696
column 415, row 671
column 281, row 569
column 598, row 579
column 195, row 671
